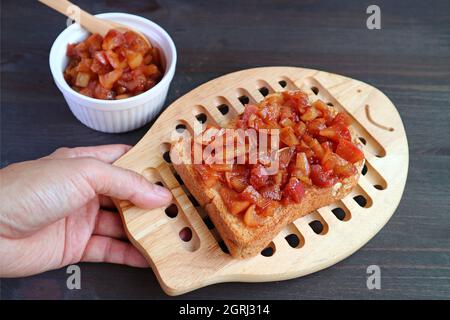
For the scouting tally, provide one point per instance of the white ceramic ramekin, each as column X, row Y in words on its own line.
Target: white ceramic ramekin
column 115, row 115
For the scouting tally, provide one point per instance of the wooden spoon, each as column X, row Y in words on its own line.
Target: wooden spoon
column 87, row 20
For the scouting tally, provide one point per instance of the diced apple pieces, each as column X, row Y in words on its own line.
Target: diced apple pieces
column 251, row 218
column 122, row 64
column 94, row 42
column 317, row 148
column 340, row 166
column 84, row 65
column 134, row 59
column 252, row 195
column 300, row 129
column 100, row 56
column 349, row 151
column 316, row 151
column 82, row 79
column 310, row 114
column 294, row 190
column 342, row 119
column 321, row 177
column 287, row 136
column 238, row 206
column 322, row 107
column 107, row 80
column 232, row 202
column 101, row 93
column 112, row 40
column 286, row 122
column 238, row 183
column 150, row 69
column 302, row 164
column 135, row 42
column 285, row 156
column 115, row 61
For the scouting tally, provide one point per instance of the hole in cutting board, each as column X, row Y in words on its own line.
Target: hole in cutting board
column 317, row 226
column 363, row 141
column 165, row 151
column 226, row 109
column 315, row 90
column 341, row 213
column 180, row 128
column 330, row 104
column 364, row 170
column 171, row 211
column 361, row 200
column 316, row 222
column 292, row 240
column 201, row 117
column 293, row 236
column 269, row 250
column 287, row 84
column 264, row 88
column 223, row 108
column 378, row 187
column 159, row 183
column 264, row 91
column 166, row 157
column 186, row 234
column 361, row 197
column 244, row 100
column 244, row 97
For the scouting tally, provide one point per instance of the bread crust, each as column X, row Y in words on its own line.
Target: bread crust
column 241, row 240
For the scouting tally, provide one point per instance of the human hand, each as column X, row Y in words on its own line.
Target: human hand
column 56, row 210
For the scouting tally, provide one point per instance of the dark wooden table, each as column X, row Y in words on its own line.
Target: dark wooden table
column 408, row 59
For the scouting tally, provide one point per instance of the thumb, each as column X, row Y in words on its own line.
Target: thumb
column 124, row 184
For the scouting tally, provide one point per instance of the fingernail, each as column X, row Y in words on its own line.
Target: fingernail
column 162, row 192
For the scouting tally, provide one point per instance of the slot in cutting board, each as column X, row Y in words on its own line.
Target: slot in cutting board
column 180, row 243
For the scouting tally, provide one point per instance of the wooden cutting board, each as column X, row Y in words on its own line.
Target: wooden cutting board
column 182, row 245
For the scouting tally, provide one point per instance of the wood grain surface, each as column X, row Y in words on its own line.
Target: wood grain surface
column 408, row 59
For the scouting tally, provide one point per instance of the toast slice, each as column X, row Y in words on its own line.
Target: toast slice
column 245, row 241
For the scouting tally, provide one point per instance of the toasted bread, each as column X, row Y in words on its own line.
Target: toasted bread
column 241, row 240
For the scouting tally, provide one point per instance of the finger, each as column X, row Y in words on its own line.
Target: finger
column 123, row 184
column 106, row 153
column 107, row 203
column 105, row 249
column 109, row 224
